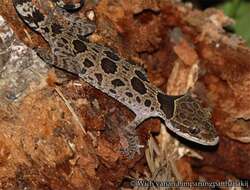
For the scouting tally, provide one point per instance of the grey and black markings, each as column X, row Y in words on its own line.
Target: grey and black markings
column 105, row 70
column 108, row 66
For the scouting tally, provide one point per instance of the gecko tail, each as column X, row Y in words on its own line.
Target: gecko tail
column 35, row 18
column 31, row 15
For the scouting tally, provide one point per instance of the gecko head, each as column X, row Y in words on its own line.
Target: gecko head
column 189, row 120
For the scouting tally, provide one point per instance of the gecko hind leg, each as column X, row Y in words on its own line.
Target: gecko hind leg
column 57, row 61
column 44, row 54
column 78, row 25
column 134, row 145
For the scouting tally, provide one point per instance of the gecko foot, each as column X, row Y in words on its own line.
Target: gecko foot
column 133, row 147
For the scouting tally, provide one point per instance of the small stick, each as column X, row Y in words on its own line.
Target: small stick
column 76, row 118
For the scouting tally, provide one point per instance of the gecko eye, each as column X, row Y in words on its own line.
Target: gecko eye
column 194, row 130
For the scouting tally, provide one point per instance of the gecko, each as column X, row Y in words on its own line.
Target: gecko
column 119, row 78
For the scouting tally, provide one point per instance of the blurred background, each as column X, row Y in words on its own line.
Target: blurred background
column 239, row 10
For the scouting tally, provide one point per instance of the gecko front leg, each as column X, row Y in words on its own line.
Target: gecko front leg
column 44, row 54
column 129, row 133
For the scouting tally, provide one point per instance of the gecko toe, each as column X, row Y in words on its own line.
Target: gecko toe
column 133, row 147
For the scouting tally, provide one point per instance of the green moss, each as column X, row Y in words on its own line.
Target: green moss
column 239, row 10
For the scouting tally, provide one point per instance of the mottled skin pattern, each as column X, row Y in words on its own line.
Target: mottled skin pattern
column 107, row 71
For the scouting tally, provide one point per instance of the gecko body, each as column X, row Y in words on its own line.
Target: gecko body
column 122, row 80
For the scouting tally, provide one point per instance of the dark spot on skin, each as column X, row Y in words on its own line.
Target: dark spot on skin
column 152, row 108
column 46, row 29
column 117, row 82
column 64, row 40
column 99, row 78
column 138, row 99
column 141, row 75
column 81, row 37
column 36, row 17
column 56, row 28
column 126, row 68
column 112, row 55
column 112, row 91
column 93, row 57
column 151, row 95
column 138, row 85
column 69, row 7
column 83, row 71
column 96, row 50
column 167, row 104
column 79, row 46
column 87, row 63
column 147, row 103
column 129, row 94
column 108, row 66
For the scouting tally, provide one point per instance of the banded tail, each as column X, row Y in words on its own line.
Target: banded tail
column 35, row 18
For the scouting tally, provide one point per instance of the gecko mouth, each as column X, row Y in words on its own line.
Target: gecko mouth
column 207, row 138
